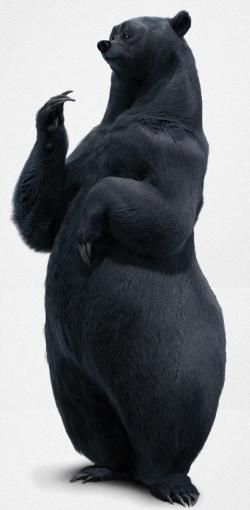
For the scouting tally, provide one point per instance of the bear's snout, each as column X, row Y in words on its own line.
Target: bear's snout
column 103, row 46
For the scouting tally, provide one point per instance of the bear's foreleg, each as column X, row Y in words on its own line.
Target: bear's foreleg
column 137, row 215
column 38, row 191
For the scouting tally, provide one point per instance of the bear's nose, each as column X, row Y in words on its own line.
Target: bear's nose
column 103, row 46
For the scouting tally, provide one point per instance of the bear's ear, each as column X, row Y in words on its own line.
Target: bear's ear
column 181, row 23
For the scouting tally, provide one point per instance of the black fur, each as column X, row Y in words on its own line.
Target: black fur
column 135, row 336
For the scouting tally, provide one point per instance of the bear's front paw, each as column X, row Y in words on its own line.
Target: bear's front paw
column 93, row 229
column 50, row 116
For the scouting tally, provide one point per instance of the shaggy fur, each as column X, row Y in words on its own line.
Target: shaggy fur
column 135, row 336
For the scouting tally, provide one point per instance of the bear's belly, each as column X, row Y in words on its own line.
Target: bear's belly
column 122, row 307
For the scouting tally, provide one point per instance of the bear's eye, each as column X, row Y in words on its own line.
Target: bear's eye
column 126, row 35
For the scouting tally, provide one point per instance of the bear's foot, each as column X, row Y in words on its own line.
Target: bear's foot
column 177, row 488
column 98, row 474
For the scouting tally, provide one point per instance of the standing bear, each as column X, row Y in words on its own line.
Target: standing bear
column 134, row 334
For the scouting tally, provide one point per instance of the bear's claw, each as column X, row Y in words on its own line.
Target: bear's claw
column 84, row 477
column 85, row 250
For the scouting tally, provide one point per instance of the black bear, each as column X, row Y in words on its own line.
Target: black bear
column 135, row 336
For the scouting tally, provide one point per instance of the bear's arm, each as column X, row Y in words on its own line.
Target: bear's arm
column 42, row 193
column 140, row 217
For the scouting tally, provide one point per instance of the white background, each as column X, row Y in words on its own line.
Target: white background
column 46, row 48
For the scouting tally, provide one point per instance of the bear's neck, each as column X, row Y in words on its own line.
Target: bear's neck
column 176, row 96
column 122, row 95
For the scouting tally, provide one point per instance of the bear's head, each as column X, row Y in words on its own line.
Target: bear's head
column 145, row 45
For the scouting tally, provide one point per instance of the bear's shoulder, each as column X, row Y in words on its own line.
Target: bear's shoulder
column 159, row 124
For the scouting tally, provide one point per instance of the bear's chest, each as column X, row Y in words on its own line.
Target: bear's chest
column 111, row 150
